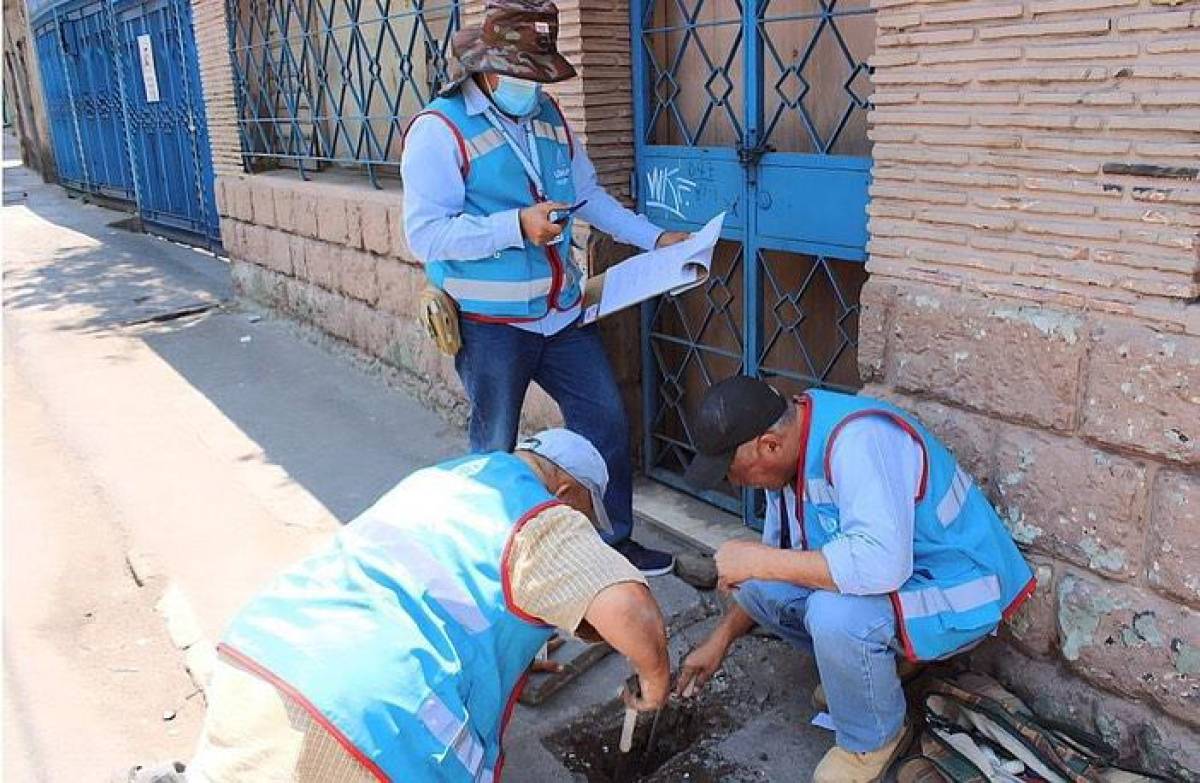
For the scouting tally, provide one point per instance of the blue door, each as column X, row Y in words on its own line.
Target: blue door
column 76, row 43
column 164, row 107
column 757, row 108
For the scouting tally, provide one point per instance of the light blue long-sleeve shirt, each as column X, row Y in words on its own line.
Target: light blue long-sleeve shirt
column 876, row 470
column 434, row 193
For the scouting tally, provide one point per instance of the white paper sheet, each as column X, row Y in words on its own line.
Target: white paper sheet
column 672, row 270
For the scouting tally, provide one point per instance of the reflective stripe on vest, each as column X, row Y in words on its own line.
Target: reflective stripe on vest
column 496, row 290
column 482, row 143
column 955, row 498
column 960, row 598
column 453, row 732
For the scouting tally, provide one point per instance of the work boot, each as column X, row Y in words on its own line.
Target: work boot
column 843, row 766
column 908, row 671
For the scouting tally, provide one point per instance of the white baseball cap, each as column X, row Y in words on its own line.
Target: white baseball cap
column 576, row 456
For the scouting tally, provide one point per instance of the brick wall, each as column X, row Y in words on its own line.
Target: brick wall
column 211, row 29
column 1035, row 269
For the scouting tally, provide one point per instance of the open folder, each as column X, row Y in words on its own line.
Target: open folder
column 670, row 270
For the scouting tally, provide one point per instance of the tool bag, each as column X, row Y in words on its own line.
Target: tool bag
column 439, row 313
column 976, row 731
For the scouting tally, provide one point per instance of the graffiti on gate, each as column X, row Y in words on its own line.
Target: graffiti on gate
column 668, row 191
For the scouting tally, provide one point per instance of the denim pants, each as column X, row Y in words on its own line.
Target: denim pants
column 852, row 638
column 496, row 364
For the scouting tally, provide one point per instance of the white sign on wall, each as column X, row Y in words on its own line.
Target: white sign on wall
column 149, row 77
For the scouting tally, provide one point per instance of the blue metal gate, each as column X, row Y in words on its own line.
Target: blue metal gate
column 76, row 43
column 168, row 135
column 756, row 107
column 113, row 135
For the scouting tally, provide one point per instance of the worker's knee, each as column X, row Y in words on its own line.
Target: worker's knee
column 778, row 606
column 831, row 617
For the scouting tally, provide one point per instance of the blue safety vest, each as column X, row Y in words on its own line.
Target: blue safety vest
column 967, row 573
column 516, row 283
column 401, row 639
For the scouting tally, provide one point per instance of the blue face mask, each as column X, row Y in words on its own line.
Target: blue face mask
column 516, row 97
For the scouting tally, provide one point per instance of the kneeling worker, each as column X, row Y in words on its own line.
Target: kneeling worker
column 876, row 546
column 398, row 652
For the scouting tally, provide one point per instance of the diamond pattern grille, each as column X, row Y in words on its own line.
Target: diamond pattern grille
column 322, row 82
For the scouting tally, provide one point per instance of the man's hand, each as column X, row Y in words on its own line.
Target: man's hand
column 668, row 238
column 654, row 691
column 699, row 667
column 536, row 225
column 739, row 561
column 548, row 665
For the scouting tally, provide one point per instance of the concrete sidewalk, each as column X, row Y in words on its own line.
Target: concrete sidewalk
column 226, row 443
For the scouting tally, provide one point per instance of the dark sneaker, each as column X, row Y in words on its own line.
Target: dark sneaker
column 650, row 562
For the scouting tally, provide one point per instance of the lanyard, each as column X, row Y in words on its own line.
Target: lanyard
column 530, row 162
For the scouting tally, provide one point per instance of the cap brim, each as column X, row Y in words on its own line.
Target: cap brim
column 708, row 470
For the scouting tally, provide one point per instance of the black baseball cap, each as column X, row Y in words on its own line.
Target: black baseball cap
column 735, row 411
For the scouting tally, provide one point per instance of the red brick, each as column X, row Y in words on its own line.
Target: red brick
column 1143, row 391
column 993, row 356
column 1072, row 502
column 1173, row 545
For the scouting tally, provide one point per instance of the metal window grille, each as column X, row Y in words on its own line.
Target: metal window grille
column 334, row 82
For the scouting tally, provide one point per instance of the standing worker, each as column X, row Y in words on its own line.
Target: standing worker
column 876, row 546
column 398, row 652
column 493, row 180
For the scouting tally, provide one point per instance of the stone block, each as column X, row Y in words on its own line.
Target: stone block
column 332, row 223
column 231, row 236
column 1173, row 543
column 357, row 277
column 1143, row 391
column 304, row 213
column 219, row 196
column 400, row 286
column 321, row 264
column 284, row 204
column 237, row 196
column 1034, row 628
column 875, row 303
column 1017, row 361
column 1062, row 498
column 255, row 240
column 262, row 197
column 969, row 436
column 1131, row 642
column 375, row 234
column 278, row 255
column 354, row 237
column 298, row 250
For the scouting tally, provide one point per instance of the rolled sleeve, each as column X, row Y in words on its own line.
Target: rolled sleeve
column 558, row 564
column 876, row 470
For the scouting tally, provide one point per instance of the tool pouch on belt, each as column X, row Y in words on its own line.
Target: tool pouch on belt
column 440, row 315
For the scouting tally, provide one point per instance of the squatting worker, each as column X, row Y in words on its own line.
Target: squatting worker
column 876, row 546
column 397, row 653
column 484, row 167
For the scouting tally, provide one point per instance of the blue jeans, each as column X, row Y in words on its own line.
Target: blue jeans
column 852, row 638
column 496, row 364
